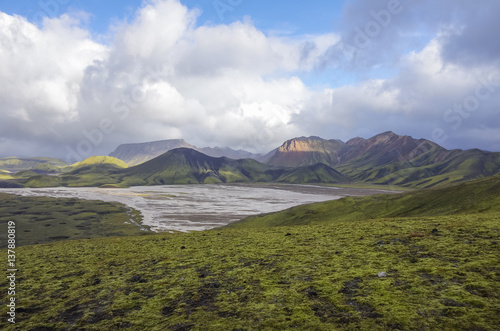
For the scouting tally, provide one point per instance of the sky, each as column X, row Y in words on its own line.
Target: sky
column 80, row 77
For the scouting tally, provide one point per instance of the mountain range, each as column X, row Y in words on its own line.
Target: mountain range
column 385, row 159
column 135, row 154
column 388, row 158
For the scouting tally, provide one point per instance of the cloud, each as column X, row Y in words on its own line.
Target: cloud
column 41, row 75
column 430, row 97
column 162, row 75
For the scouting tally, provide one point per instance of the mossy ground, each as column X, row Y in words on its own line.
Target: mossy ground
column 44, row 219
column 443, row 273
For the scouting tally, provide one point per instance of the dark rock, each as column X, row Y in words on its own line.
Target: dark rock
column 137, row 279
column 168, row 311
column 312, row 293
column 452, row 303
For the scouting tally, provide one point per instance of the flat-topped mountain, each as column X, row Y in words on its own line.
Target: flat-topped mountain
column 135, row 154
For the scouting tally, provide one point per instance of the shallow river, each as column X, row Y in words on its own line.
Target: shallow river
column 201, row 207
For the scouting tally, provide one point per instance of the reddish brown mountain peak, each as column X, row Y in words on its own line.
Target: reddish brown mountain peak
column 295, row 145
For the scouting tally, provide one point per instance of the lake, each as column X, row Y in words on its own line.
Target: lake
column 201, row 207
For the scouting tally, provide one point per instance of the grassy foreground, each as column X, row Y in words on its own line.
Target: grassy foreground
column 442, row 273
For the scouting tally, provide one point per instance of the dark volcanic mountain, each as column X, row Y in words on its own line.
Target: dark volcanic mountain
column 135, row 154
column 386, row 158
column 389, row 158
column 179, row 166
column 187, row 166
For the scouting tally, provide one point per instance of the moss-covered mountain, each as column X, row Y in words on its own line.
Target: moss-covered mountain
column 389, row 158
column 179, row 166
column 96, row 161
column 15, row 164
column 385, row 159
column 187, row 166
column 385, row 263
column 93, row 171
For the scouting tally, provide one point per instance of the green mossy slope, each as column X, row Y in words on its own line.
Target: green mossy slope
column 480, row 196
column 442, row 274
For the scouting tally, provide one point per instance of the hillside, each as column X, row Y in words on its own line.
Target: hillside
column 313, row 174
column 14, row 164
column 474, row 197
column 100, row 160
column 390, row 159
column 187, row 166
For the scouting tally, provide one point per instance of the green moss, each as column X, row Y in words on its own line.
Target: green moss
column 314, row 277
column 481, row 196
column 43, row 219
column 96, row 160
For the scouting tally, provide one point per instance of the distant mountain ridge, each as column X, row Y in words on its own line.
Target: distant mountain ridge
column 178, row 166
column 135, row 154
column 384, row 159
column 13, row 164
column 388, row 158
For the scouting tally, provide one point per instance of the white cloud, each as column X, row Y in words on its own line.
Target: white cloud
column 163, row 76
column 420, row 99
column 40, row 75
